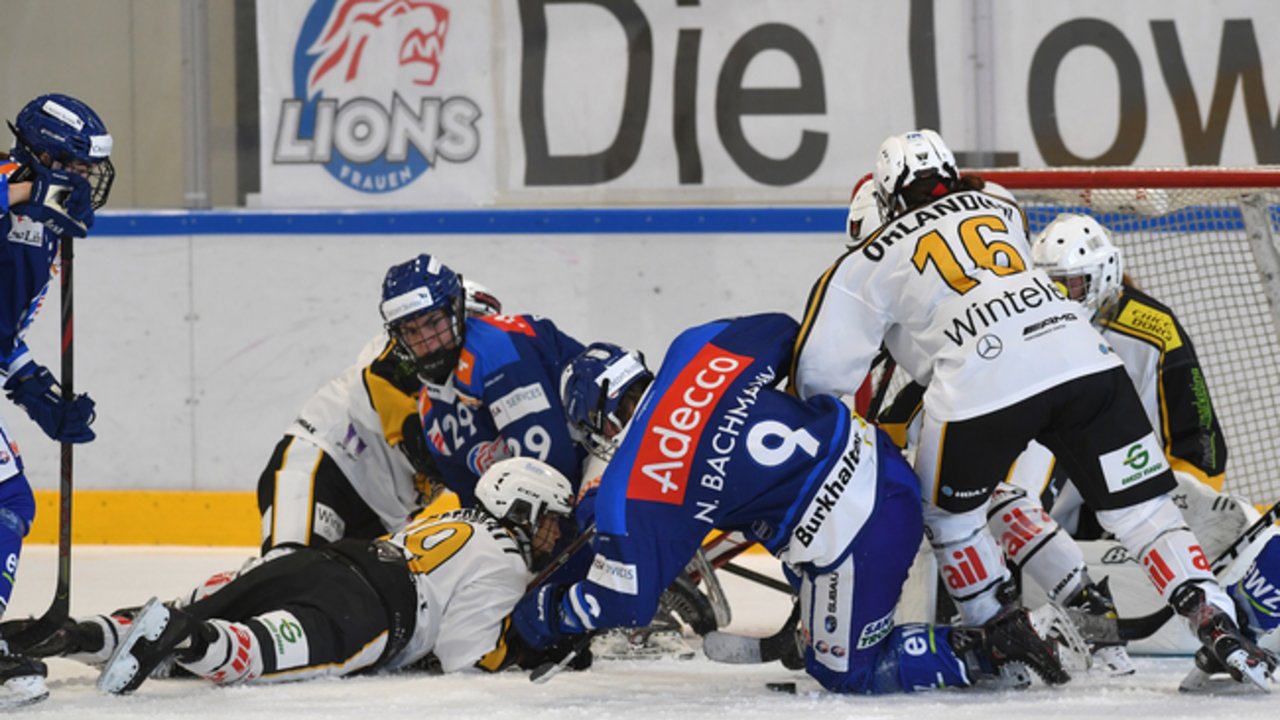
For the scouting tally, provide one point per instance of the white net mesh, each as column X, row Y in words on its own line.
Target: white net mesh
column 1207, row 253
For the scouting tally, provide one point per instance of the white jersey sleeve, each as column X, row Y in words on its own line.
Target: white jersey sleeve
column 343, row 419
column 469, row 573
column 949, row 285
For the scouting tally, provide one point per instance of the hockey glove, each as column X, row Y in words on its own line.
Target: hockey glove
column 61, row 200
column 33, row 389
column 542, row 619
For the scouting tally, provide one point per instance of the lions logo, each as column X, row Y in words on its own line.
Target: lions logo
column 364, row 106
column 362, row 37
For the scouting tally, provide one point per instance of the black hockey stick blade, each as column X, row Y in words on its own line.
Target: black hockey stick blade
column 744, row 650
column 1147, row 625
column 550, row 669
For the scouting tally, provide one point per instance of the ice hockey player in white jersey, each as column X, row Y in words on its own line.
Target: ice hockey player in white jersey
column 441, row 586
column 354, row 463
column 1006, row 358
column 1077, row 253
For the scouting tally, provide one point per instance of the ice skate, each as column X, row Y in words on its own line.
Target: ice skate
column 21, row 681
column 642, row 644
column 1226, row 649
column 1008, row 649
column 1096, row 618
column 156, row 633
column 1053, row 624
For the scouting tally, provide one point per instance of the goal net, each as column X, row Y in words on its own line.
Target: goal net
column 1202, row 241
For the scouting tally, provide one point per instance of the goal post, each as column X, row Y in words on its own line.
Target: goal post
column 1203, row 242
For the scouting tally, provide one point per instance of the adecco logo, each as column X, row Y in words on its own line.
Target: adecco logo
column 363, row 71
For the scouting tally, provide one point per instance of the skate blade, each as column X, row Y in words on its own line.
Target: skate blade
column 122, row 667
column 1198, row 682
column 23, row 690
column 1113, row 661
column 1053, row 624
column 1256, row 674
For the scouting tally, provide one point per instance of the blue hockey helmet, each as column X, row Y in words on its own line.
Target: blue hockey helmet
column 71, row 135
column 423, row 306
column 593, row 388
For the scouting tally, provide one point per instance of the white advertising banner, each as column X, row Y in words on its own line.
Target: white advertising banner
column 609, row 102
column 376, row 103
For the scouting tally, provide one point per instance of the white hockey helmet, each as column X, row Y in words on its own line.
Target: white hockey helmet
column 911, row 168
column 1078, row 255
column 864, row 211
column 520, row 491
column 480, row 302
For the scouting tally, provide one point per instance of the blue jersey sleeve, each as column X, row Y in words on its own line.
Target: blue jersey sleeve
column 630, row 572
column 503, row 401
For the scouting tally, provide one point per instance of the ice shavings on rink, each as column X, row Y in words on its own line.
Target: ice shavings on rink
column 105, row 578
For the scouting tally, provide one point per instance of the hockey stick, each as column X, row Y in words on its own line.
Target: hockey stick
column 1147, row 625
column 563, row 558
column 741, row 649
column 547, row 670
column 882, row 385
column 721, row 549
column 765, row 580
column 29, row 634
column 701, row 568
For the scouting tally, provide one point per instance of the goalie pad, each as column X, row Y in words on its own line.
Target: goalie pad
column 1216, row 519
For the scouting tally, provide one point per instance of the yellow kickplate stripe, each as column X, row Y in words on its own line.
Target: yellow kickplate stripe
column 151, row 517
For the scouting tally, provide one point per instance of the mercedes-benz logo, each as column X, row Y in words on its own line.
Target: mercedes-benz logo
column 989, row 347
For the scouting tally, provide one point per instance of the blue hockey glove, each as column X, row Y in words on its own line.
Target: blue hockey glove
column 537, row 617
column 34, row 390
column 61, row 200
column 543, row 617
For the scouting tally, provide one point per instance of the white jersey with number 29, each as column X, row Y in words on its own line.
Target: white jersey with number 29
column 949, row 288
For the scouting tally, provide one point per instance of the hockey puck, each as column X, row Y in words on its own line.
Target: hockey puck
column 782, row 687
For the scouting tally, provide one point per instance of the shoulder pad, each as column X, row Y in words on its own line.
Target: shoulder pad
column 1149, row 320
column 998, row 190
column 488, row 348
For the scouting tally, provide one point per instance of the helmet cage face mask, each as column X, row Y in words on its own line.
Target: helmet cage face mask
column 424, row 308
column 73, row 138
column 439, row 328
column 1076, row 252
column 593, row 388
column 521, row 492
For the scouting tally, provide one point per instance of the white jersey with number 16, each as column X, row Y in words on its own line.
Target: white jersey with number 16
column 950, row 289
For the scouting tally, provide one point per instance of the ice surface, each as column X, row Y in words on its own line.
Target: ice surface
column 106, row 578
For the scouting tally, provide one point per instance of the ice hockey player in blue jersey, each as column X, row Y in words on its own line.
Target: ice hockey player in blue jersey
column 58, row 173
column 490, row 384
column 712, row 443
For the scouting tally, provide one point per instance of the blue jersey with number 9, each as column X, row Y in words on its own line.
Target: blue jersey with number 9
column 714, row 444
